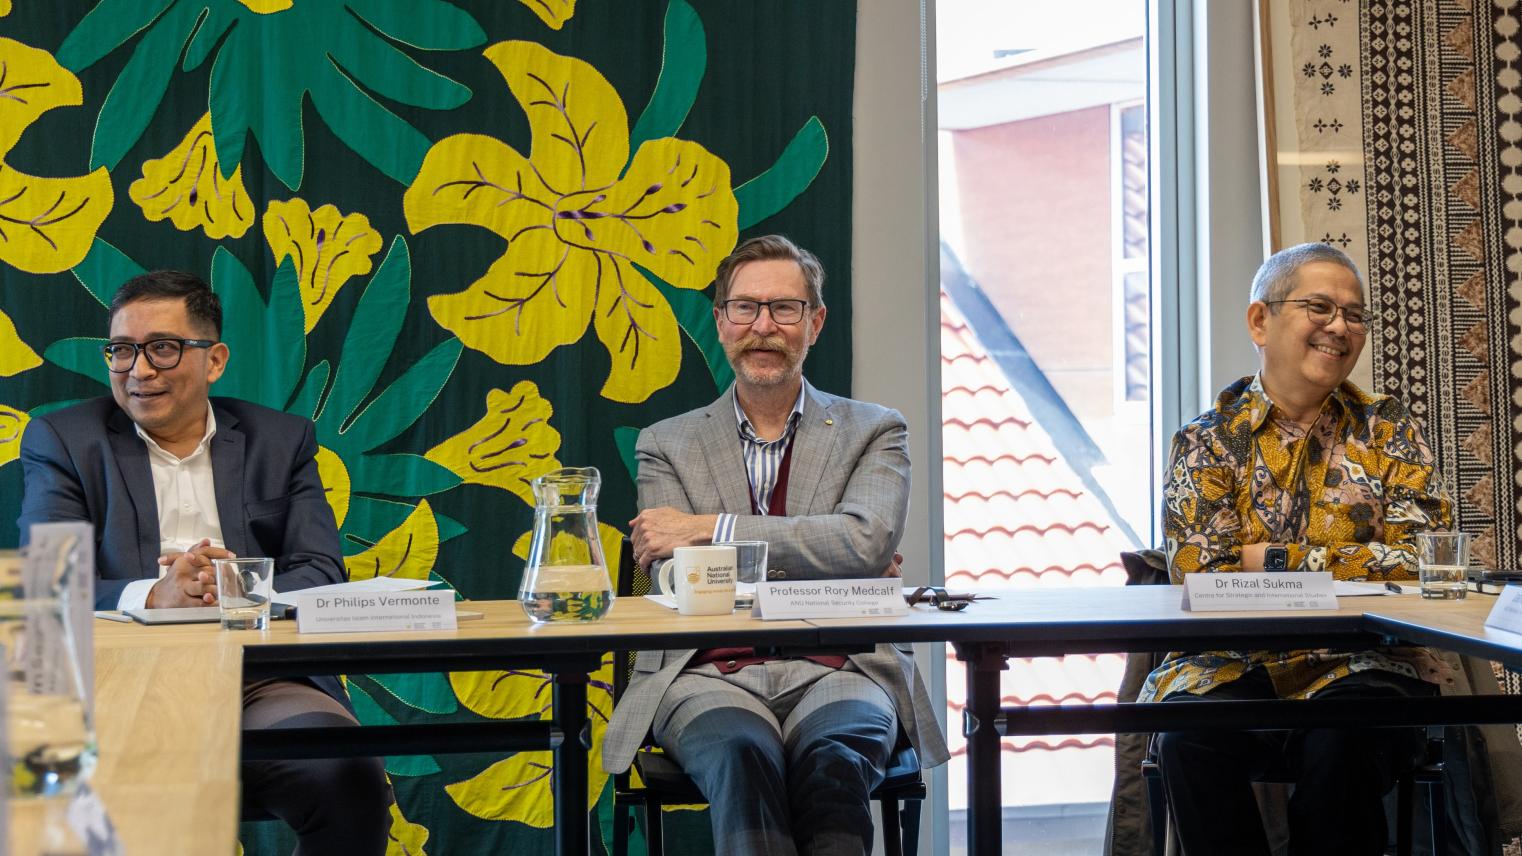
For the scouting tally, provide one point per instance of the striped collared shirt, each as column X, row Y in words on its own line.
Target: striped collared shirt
column 763, row 460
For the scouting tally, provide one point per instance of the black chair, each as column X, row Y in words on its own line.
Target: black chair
column 665, row 783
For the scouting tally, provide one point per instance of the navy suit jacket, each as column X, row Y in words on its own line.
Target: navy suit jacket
column 87, row 463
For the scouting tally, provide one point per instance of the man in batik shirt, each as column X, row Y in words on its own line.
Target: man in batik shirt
column 1296, row 469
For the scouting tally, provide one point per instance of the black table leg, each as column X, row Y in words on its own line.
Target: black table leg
column 984, row 793
column 572, row 833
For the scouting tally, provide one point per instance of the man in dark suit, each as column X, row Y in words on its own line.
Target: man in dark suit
column 172, row 479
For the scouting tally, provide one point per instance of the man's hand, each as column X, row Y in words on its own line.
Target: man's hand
column 894, row 568
column 1252, row 556
column 657, row 531
column 191, row 579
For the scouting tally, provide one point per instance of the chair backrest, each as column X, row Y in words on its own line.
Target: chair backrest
column 633, row 581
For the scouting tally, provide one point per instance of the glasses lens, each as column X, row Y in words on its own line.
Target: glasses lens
column 163, row 353
column 1320, row 311
column 119, row 357
column 1354, row 317
column 787, row 311
column 741, row 311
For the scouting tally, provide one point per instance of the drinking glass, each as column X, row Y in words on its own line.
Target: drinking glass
column 1443, row 564
column 244, row 589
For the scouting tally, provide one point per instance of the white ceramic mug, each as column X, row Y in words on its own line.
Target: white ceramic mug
column 701, row 580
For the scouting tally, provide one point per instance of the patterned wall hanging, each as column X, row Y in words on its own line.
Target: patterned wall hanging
column 472, row 240
column 1397, row 136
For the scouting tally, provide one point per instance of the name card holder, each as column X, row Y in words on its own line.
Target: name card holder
column 375, row 611
column 1507, row 613
column 866, row 598
column 1249, row 591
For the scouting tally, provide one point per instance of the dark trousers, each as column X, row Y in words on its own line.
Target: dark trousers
column 1340, row 775
column 334, row 805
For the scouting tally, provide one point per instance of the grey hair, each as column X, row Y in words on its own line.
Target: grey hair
column 1280, row 273
column 770, row 248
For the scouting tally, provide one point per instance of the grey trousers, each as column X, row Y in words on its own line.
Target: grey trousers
column 334, row 805
column 785, row 752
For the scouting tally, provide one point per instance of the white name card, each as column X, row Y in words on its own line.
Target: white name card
column 358, row 613
column 1246, row 591
column 1507, row 613
column 876, row 596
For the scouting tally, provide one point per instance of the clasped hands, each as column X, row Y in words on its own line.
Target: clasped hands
column 191, row 580
column 655, row 532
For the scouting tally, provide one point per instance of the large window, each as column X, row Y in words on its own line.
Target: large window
column 1046, row 311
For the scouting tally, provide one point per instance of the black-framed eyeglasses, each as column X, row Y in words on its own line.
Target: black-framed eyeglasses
column 786, row 311
column 162, row 354
column 1322, row 311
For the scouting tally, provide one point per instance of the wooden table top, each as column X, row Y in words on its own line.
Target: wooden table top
column 168, row 697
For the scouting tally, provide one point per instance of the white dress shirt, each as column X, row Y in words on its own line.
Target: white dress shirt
column 187, row 501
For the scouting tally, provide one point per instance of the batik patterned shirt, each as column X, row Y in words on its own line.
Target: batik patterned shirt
column 1345, row 495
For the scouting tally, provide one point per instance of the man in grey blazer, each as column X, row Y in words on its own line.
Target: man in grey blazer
column 785, row 750
column 172, row 479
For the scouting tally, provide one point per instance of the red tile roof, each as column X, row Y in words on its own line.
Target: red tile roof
column 1017, row 515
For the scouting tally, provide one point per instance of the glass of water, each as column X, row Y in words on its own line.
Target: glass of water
column 750, row 559
column 244, row 589
column 1443, row 563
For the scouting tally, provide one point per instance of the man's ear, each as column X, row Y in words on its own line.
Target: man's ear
column 816, row 324
column 1257, row 322
column 216, row 361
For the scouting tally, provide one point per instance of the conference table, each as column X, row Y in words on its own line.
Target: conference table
column 190, row 676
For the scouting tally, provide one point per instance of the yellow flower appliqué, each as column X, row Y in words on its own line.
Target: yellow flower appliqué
column 406, row 552
column 46, row 224
column 405, row 838
column 518, row 788
column 554, row 13
column 186, row 186
column 12, row 426
column 509, row 446
column 576, row 223
column 335, row 482
column 327, row 247
column 267, row 7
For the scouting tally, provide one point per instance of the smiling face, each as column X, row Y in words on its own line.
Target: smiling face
column 169, row 404
column 764, row 353
column 1302, row 360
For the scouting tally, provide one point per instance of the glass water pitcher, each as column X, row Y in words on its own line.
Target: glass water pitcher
column 566, row 576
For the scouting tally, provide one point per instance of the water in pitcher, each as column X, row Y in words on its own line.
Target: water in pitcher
column 569, row 593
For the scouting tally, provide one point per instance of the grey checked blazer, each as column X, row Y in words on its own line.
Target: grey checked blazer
column 847, row 497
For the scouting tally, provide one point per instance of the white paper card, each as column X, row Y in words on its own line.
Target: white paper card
column 1246, row 591
column 368, row 611
column 1507, row 613
column 830, row 598
column 373, row 584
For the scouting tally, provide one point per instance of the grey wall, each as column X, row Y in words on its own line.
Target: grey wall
column 895, row 322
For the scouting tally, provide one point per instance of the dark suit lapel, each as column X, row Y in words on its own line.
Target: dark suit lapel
column 132, row 460
column 227, row 452
column 720, row 442
column 813, row 450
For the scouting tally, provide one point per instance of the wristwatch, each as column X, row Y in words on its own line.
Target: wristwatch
column 1276, row 558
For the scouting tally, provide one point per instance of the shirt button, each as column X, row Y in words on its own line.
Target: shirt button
column 730, row 664
column 185, row 507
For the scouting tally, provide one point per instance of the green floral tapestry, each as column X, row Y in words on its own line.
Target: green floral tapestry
column 472, row 240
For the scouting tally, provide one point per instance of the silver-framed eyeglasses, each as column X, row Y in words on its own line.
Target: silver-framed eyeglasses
column 786, row 311
column 1322, row 311
column 162, row 354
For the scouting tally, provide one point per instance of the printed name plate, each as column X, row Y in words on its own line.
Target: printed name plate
column 830, row 598
column 1245, row 591
column 355, row 613
column 1507, row 613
